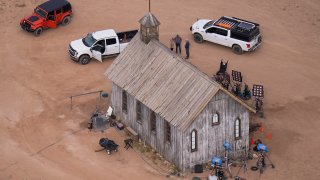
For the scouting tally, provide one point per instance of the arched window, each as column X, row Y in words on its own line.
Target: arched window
column 139, row 109
column 168, row 132
column 194, row 140
column 215, row 119
column 237, row 129
column 124, row 102
column 153, row 122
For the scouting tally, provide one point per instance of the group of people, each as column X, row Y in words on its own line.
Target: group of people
column 176, row 41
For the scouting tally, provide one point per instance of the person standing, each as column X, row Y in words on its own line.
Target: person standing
column 187, row 46
column 172, row 43
column 178, row 40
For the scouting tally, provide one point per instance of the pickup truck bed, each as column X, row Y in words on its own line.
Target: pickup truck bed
column 126, row 36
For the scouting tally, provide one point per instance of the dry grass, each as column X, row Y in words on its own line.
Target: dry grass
column 153, row 156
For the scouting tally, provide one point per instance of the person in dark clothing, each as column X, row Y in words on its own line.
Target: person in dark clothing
column 187, row 46
column 178, row 40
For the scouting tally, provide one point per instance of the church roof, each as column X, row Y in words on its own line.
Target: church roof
column 164, row 82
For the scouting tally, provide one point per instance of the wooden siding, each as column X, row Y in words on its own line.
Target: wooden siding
column 170, row 151
column 211, row 138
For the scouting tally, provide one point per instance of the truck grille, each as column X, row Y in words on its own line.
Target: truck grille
column 26, row 26
column 72, row 51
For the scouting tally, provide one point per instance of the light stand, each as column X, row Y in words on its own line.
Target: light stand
column 237, row 81
column 258, row 93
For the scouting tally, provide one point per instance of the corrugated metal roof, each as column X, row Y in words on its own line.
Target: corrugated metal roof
column 149, row 20
column 164, row 82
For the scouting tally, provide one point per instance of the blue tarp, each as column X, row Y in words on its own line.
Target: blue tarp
column 262, row 147
column 227, row 146
column 216, row 161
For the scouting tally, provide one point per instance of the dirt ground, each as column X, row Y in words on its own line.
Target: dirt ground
column 42, row 138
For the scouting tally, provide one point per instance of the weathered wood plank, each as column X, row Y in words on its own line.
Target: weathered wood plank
column 180, row 94
column 211, row 138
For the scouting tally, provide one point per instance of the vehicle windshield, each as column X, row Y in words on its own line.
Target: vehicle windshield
column 208, row 24
column 40, row 12
column 89, row 40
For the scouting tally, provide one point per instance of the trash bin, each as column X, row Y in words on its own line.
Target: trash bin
column 198, row 168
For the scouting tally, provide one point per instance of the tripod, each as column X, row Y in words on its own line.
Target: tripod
column 219, row 172
column 227, row 163
column 259, row 106
column 243, row 164
column 227, row 148
column 261, row 163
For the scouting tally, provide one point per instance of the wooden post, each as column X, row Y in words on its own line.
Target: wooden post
column 71, row 102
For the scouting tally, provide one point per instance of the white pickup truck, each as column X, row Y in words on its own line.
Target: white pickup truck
column 239, row 34
column 99, row 44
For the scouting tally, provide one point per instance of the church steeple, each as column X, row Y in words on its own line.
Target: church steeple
column 149, row 27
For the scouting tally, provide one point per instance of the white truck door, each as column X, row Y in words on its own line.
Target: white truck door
column 112, row 46
column 217, row 35
column 98, row 49
column 211, row 36
column 97, row 55
column 222, row 37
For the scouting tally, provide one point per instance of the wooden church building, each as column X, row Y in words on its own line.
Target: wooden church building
column 175, row 108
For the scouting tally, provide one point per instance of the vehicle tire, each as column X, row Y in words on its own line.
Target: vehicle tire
column 260, row 39
column 237, row 49
column 38, row 31
column 254, row 168
column 84, row 59
column 66, row 20
column 198, row 38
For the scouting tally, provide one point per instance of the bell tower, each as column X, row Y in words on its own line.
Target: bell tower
column 149, row 27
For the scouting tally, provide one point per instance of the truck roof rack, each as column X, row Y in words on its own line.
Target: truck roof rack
column 226, row 22
column 246, row 21
column 236, row 24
